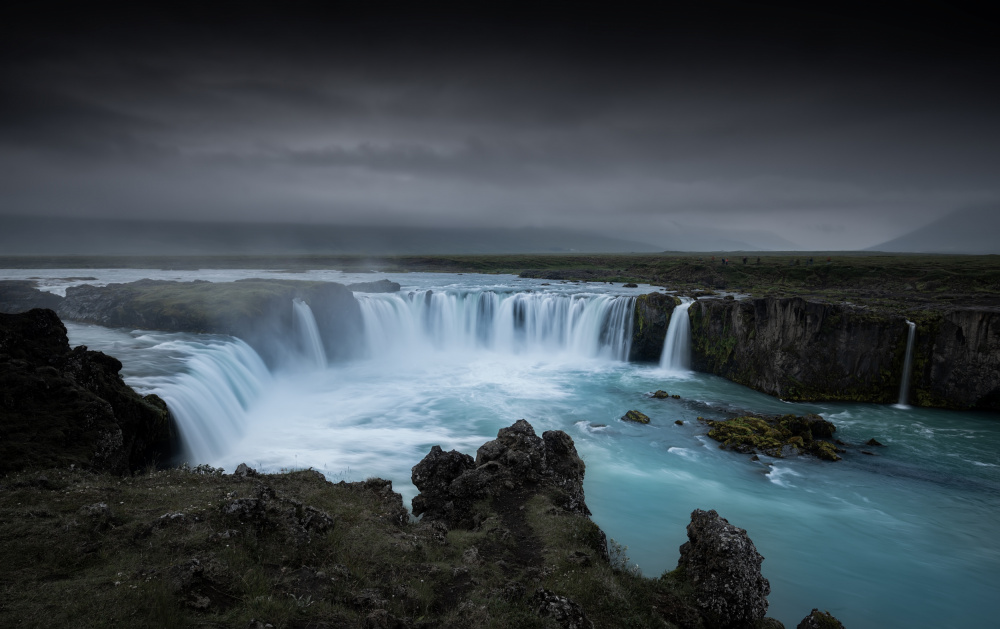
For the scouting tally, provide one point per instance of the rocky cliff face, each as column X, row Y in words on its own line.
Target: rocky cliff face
column 802, row 350
column 957, row 360
column 60, row 406
column 652, row 316
column 257, row 311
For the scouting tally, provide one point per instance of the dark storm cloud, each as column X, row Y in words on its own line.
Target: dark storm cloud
column 819, row 128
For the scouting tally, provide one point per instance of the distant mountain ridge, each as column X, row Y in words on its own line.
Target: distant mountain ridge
column 73, row 236
column 967, row 231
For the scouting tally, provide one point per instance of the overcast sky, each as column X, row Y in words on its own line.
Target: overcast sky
column 824, row 129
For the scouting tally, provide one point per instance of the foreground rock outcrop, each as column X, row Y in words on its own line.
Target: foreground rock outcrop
column 62, row 406
column 517, row 461
column 723, row 567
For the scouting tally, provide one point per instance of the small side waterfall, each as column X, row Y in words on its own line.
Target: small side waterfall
column 309, row 339
column 210, row 397
column 904, row 384
column 676, row 354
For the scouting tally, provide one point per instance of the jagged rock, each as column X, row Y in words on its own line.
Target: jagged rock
column 723, row 567
column 450, row 482
column 62, row 407
column 561, row 609
column 820, row 620
column 266, row 510
column 873, row 442
column 636, row 416
column 245, row 471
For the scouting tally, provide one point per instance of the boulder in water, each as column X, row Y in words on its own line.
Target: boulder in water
column 635, row 416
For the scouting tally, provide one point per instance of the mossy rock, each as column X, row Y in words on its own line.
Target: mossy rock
column 636, row 416
column 660, row 394
column 777, row 436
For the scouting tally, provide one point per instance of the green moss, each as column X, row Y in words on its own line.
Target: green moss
column 636, row 416
column 771, row 435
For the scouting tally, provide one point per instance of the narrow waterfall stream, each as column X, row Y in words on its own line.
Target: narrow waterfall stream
column 904, row 383
column 676, row 354
column 310, row 340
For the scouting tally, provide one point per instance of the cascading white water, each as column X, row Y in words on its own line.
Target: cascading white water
column 585, row 325
column 676, row 354
column 309, row 339
column 904, row 383
column 210, row 397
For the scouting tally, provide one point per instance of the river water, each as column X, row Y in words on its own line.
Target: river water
column 902, row 537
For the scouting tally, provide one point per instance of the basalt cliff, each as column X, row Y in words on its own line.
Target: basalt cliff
column 811, row 351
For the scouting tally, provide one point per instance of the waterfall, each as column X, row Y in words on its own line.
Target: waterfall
column 209, row 398
column 309, row 339
column 904, row 384
column 676, row 355
column 517, row 322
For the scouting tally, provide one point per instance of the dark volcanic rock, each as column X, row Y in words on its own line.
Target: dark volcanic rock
column 652, row 316
column 22, row 296
column 451, row 482
column 567, row 613
column 723, row 567
column 61, row 406
column 820, row 620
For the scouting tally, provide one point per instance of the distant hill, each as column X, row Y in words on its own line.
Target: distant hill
column 68, row 236
column 972, row 230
